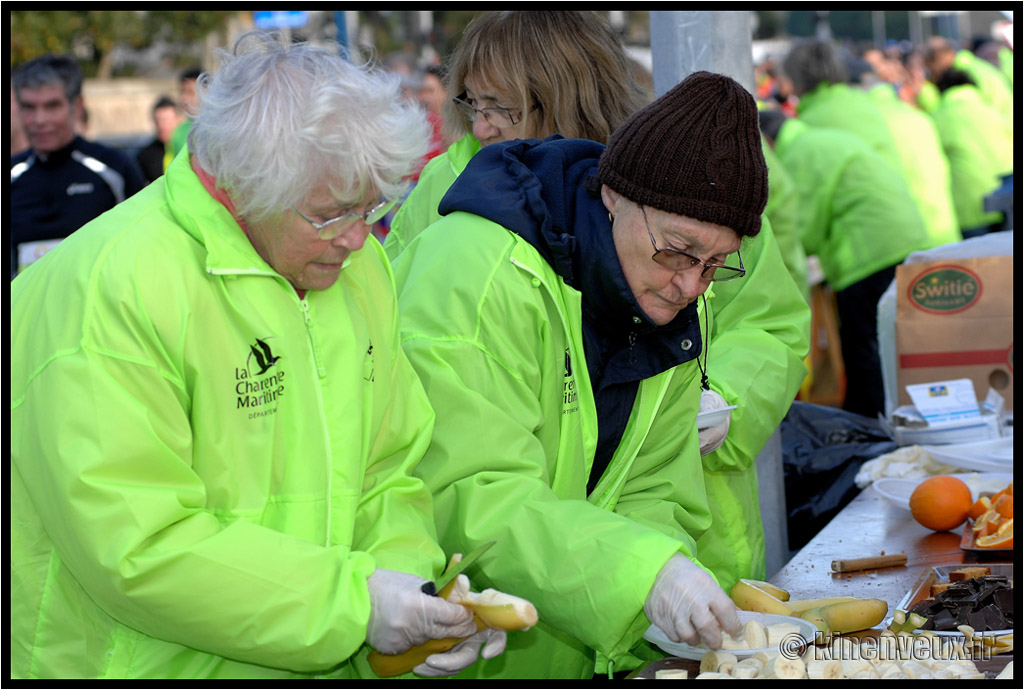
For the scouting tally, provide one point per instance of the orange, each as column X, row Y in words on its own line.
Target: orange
column 941, row 503
column 980, row 507
column 994, row 541
column 991, row 525
column 1004, row 505
column 1006, row 528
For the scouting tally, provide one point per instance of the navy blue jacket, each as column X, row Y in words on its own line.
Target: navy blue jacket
column 569, row 225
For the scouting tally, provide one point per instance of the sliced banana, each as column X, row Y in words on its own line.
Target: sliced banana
column 755, row 634
column 716, row 660
column 822, row 669
column 782, row 668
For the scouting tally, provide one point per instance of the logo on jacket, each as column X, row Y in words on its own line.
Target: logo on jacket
column 260, row 383
column 263, row 356
column 569, row 394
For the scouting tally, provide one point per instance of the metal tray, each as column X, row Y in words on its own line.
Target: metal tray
column 940, row 573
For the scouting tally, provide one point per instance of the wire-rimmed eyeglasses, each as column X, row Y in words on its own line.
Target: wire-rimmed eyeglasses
column 681, row 261
column 330, row 229
column 496, row 117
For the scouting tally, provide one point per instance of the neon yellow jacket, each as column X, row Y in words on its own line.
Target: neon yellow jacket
column 756, row 355
column 205, row 468
column 498, row 345
column 924, row 163
column 759, row 338
column 845, row 107
column 979, row 146
column 857, row 213
column 420, row 208
column 995, row 89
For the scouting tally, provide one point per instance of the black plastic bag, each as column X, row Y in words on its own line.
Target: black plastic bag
column 822, row 451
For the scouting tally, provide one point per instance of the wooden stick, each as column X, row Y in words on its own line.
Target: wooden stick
column 847, row 565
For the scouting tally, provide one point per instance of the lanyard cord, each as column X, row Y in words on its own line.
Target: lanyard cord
column 707, row 345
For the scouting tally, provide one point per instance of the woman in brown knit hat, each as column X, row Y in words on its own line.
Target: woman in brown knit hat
column 552, row 316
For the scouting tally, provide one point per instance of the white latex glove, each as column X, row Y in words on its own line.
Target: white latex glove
column 713, row 437
column 689, row 606
column 402, row 616
column 464, row 654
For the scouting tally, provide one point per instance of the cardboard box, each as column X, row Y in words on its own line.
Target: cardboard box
column 954, row 319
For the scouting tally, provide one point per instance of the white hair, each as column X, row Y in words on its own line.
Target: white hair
column 277, row 120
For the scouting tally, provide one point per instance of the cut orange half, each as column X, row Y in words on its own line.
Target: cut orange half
column 994, row 541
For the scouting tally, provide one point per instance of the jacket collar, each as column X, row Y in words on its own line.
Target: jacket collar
column 206, row 217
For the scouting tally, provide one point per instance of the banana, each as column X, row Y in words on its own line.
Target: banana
column 914, row 669
column 670, row 674
column 747, row 668
column 1006, row 673
column 851, row 616
column 851, row 667
column 755, row 634
column 777, row 592
column 717, row 661
column 491, row 609
column 777, row 632
column 712, row 674
column 763, row 658
column 744, row 672
column 749, row 597
column 817, row 619
column 800, row 605
column 821, row 669
column 891, row 670
column 782, row 668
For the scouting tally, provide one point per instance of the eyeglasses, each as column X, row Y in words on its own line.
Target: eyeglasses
column 496, row 117
column 369, row 217
column 681, row 261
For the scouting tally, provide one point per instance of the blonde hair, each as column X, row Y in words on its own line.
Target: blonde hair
column 570, row 65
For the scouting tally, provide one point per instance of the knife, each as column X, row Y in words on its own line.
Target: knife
column 452, row 572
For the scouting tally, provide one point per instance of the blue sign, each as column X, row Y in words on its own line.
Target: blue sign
column 290, row 19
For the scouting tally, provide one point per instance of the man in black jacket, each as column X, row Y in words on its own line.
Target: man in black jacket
column 62, row 181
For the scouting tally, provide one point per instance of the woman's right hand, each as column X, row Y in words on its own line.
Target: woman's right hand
column 402, row 616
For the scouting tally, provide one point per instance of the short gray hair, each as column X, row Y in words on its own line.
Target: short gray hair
column 49, row 70
column 276, row 120
column 813, row 62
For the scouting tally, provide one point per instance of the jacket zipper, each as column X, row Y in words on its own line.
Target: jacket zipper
column 320, row 373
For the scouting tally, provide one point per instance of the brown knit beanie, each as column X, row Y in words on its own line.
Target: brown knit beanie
column 695, row 152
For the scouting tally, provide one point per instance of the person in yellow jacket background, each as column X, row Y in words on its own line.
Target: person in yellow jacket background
column 213, row 424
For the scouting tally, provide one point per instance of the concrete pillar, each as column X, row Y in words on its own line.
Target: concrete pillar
column 686, row 42
column 771, row 500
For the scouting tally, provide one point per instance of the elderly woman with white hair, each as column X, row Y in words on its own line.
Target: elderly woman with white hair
column 213, row 424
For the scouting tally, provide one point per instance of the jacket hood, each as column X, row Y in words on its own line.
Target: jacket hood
column 546, row 192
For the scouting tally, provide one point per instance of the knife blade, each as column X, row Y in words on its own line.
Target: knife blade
column 451, row 573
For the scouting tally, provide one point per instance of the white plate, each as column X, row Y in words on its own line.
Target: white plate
column 984, row 456
column 710, row 418
column 682, row 650
column 897, row 490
